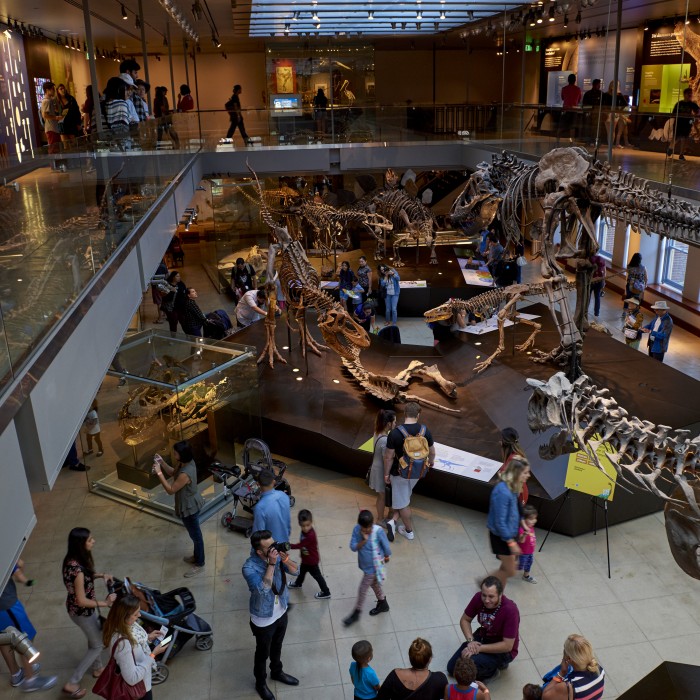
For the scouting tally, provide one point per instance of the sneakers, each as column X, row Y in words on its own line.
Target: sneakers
column 38, row 683
column 352, row 618
column 99, row 454
column 17, row 678
column 88, row 452
column 529, row 579
column 382, row 606
column 321, row 595
column 194, row 571
column 403, row 531
column 293, row 584
column 390, row 529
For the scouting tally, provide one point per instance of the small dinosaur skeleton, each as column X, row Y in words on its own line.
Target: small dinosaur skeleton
column 300, row 285
column 502, row 302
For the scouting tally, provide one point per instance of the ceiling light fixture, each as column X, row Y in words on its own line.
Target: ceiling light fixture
column 566, row 21
column 551, row 13
column 314, row 17
column 442, row 14
column 419, row 15
column 214, row 40
column 295, row 16
column 370, row 15
column 124, row 15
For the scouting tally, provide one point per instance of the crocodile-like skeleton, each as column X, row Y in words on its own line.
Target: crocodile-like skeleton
column 502, row 302
column 301, row 286
column 645, row 455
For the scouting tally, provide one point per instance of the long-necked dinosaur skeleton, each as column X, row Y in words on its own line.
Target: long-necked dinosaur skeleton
column 301, row 287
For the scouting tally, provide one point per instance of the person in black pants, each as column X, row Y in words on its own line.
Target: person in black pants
column 310, row 558
column 233, row 106
column 265, row 572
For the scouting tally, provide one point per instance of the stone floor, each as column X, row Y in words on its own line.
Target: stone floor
column 649, row 611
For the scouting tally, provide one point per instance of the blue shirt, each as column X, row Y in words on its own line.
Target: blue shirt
column 365, row 681
column 262, row 600
column 364, row 555
column 273, row 513
column 504, row 513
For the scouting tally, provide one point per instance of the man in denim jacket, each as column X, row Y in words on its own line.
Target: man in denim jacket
column 265, row 572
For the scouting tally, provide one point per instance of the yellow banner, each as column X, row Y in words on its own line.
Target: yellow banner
column 584, row 475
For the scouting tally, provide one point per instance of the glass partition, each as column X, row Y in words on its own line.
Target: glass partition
column 165, row 388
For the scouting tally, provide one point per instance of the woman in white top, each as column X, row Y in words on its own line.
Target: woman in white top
column 129, row 640
column 384, row 423
column 92, row 429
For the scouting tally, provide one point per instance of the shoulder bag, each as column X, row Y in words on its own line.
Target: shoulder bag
column 111, row 684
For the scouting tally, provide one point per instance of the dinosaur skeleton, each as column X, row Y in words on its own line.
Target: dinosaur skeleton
column 300, row 285
column 644, row 455
column 502, row 302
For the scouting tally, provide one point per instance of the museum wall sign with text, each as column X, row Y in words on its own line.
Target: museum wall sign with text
column 669, row 65
column 587, row 59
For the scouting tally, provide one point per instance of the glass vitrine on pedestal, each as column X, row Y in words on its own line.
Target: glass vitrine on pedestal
column 163, row 388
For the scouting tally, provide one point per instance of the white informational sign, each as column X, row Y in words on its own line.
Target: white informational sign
column 491, row 324
column 412, row 284
column 329, row 285
column 461, row 463
column 480, row 277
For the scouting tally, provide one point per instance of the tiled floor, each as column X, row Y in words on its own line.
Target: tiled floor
column 649, row 611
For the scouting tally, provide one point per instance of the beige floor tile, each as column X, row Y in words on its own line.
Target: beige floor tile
column 315, row 664
column 231, row 678
column 660, row 618
column 310, row 622
column 683, row 650
column 232, row 630
column 544, row 634
column 409, row 612
column 455, row 568
column 367, row 625
column 229, row 559
column 342, row 580
column 444, row 641
column 387, row 654
column 627, row 664
column 607, row 625
column 584, row 589
column 229, row 593
column 533, row 598
column 190, row 675
column 511, row 681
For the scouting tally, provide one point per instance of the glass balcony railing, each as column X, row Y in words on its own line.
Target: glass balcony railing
column 65, row 213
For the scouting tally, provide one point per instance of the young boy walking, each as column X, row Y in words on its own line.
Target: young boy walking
column 372, row 547
column 310, row 558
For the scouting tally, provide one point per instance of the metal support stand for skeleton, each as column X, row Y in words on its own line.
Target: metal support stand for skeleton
column 596, row 505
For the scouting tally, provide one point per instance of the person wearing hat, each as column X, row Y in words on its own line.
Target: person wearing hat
column 659, row 331
column 633, row 323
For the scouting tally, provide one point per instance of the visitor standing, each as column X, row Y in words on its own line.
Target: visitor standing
column 636, row 280
column 659, row 331
column 233, row 107
column 384, row 423
column 684, row 111
column 389, row 285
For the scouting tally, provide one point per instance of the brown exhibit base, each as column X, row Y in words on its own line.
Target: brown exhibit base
column 316, row 413
column 669, row 680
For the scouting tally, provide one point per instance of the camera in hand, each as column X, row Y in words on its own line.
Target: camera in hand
column 282, row 547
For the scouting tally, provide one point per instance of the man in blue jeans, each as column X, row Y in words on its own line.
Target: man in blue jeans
column 265, row 572
column 495, row 644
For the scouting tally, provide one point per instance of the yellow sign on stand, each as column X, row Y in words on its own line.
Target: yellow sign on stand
column 584, row 475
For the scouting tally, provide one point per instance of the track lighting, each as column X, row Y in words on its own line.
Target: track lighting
column 286, row 29
column 551, row 13
column 295, row 16
column 370, row 15
column 223, row 53
column 442, row 14
column 314, row 17
column 419, row 15
column 216, row 42
column 124, row 15
column 566, row 21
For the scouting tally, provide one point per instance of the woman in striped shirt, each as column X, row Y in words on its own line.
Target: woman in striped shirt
column 580, row 676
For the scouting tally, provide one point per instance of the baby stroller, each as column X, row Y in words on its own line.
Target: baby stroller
column 174, row 610
column 245, row 489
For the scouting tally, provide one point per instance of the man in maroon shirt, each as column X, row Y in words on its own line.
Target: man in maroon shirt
column 571, row 98
column 495, row 644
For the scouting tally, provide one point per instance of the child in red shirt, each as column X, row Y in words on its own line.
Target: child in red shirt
column 527, row 541
column 310, row 558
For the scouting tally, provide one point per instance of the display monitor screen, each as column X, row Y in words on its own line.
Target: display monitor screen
column 285, row 105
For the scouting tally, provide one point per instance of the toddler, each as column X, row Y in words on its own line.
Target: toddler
column 364, row 677
column 372, row 547
column 466, row 687
column 528, row 542
column 310, row 558
column 532, row 692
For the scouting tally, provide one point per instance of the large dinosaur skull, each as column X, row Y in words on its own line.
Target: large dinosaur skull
column 439, row 313
column 342, row 334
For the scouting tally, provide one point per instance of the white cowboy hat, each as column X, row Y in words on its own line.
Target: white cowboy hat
column 632, row 300
column 660, row 305
column 127, row 79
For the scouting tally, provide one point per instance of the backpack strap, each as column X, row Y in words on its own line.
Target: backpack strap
column 403, row 431
column 421, row 432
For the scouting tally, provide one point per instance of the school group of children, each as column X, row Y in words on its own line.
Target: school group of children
column 373, row 553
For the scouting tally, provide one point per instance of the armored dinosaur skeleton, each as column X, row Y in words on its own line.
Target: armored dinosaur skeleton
column 300, row 285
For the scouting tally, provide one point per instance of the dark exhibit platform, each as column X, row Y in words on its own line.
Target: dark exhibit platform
column 323, row 416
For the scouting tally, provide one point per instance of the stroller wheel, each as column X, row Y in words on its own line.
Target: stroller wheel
column 292, row 501
column 226, row 518
column 160, row 674
column 204, row 643
column 248, row 531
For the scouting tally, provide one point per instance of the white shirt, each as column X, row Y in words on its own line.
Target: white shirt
column 277, row 611
column 657, row 324
column 245, row 312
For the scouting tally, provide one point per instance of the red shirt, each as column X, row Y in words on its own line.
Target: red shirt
column 185, row 103
column 308, row 544
column 571, row 96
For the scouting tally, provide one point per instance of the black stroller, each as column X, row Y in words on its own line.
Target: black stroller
column 174, row 610
column 245, row 489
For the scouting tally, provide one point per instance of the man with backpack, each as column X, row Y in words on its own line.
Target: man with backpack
column 409, row 454
column 235, row 113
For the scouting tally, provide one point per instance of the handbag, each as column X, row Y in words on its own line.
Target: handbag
column 111, row 684
column 521, row 261
column 630, row 333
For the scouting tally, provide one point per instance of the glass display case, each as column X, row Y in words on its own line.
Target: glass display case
column 163, row 388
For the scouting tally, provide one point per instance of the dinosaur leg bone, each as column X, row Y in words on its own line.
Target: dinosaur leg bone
column 503, row 314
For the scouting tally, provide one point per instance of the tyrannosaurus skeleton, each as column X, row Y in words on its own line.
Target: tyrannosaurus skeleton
column 300, row 285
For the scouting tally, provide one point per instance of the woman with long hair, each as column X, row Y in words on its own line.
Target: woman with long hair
column 637, row 280
column 79, row 579
column 384, row 423
column 128, row 642
column 580, row 672
column 188, row 501
column 70, row 120
column 116, row 111
column 504, row 516
column 174, row 299
column 162, row 112
column 418, row 681
column 510, row 447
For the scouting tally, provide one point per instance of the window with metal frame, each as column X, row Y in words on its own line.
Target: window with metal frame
column 675, row 263
column 605, row 233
